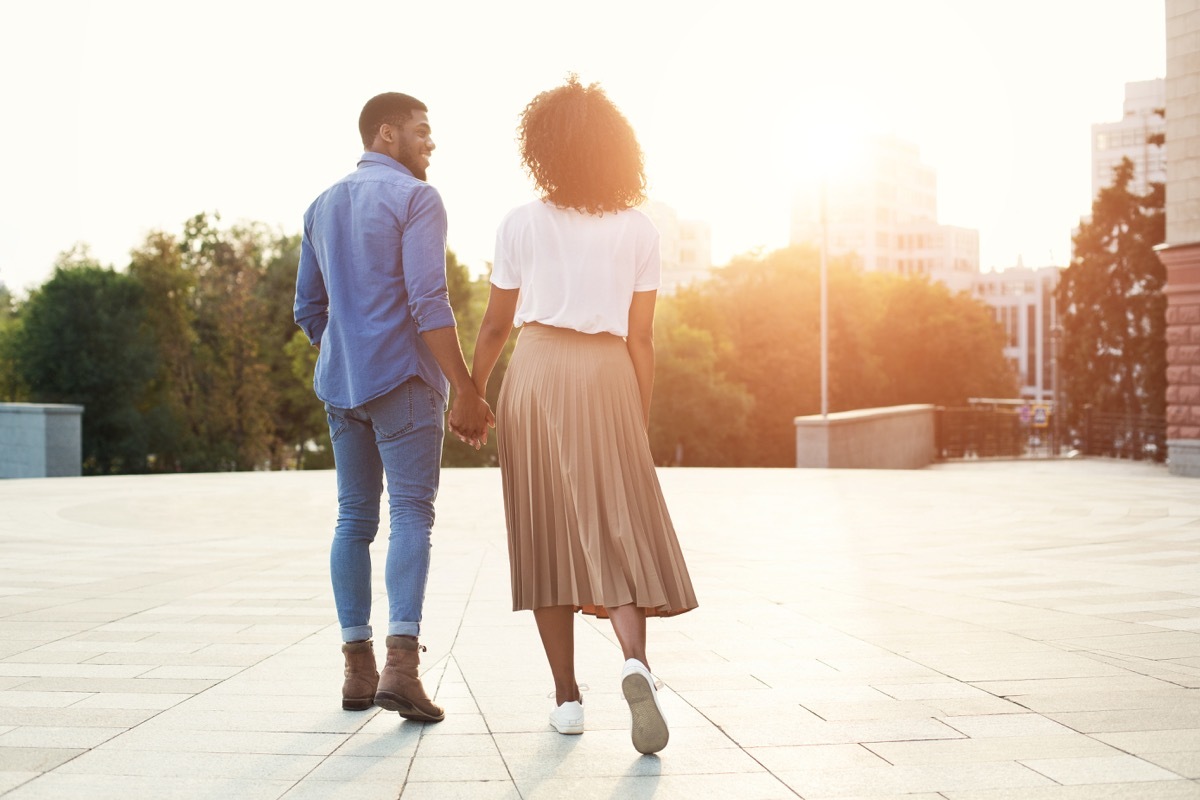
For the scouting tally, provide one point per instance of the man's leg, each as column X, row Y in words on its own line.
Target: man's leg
column 409, row 426
column 359, row 484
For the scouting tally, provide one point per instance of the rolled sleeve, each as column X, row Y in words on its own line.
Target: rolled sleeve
column 311, row 310
column 423, row 255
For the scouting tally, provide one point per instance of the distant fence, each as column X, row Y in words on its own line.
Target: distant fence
column 1140, row 437
column 980, row 433
column 1009, row 429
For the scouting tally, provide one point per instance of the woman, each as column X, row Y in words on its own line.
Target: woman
column 577, row 271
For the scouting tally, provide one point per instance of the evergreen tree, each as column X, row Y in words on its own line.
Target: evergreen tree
column 1112, row 308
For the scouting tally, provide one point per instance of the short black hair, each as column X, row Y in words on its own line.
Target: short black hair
column 392, row 108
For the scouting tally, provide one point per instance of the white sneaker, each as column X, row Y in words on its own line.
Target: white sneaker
column 649, row 729
column 568, row 718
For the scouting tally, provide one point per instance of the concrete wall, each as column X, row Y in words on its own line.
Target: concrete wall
column 898, row 437
column 40, row 440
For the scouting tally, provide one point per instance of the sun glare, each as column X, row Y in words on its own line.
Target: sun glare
column 827, row 152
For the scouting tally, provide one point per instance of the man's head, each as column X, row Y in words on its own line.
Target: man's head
column 397, row 125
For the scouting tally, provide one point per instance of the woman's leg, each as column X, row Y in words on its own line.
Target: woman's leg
column 629, row 623
column 556, row 625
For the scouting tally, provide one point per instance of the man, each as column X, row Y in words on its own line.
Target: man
column 371, row 296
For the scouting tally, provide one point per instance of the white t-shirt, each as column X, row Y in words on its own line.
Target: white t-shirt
column 576, row 270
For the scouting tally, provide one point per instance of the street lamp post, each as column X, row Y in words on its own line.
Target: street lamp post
column 1055, row 337
column 824, row 305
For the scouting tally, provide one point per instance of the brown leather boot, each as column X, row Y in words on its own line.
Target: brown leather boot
column 358, row 690
column 399, row 687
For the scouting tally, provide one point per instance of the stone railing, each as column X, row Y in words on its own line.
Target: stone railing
column 896, row 437
column 40, row 440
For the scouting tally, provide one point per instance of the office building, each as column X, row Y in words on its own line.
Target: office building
column 1130, row 137
column 883, row 217
column 685, row 246
column 1022, row 300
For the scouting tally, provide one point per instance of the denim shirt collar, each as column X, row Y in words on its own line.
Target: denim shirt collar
column 387, row 161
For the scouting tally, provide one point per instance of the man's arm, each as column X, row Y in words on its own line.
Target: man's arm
column 311, row 310
column 470, row 415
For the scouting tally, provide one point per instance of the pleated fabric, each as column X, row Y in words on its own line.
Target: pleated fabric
column 587, row 523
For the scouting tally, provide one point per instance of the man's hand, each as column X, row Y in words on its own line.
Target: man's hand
column 470, row 418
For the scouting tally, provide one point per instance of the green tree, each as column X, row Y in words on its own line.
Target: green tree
column 82, row 340
column 937, row 347
column 767, row 309
column 1112, row 308
column 698, row 416
column 236, row 397
column 315, row 452
column 892, row 340
column 172, row 398
column 300, row 436
column 10, row 385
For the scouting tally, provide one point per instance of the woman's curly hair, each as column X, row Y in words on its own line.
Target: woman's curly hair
column 581, row 151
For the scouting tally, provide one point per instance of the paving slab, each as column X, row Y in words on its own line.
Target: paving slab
column 975, row 631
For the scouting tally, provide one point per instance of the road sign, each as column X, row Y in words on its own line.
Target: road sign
column 1041, row 416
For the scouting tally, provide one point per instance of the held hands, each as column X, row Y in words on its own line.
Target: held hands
column 470, row 418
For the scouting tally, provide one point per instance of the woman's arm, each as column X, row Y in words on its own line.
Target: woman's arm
column 640, row 342
column 493, row 333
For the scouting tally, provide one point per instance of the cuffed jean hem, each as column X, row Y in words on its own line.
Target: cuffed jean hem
column 359, row 633
column 404, row 628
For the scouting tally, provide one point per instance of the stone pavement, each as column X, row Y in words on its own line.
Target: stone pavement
column 967, row 632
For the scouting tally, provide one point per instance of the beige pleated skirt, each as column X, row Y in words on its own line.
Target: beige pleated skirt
column 587, row 523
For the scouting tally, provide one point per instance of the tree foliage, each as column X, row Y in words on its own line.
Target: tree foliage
column 1112, row 308
column 82, row 340
column 699, row 416
column 10, row 385
column 190, row 360
column 186, row 362
column 892, row 340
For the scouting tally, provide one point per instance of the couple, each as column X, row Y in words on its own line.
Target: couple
column 577, row 271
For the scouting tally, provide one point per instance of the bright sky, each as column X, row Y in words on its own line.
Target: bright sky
column 125, row 117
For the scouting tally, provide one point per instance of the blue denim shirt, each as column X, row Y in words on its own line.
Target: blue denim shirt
column 372, row 278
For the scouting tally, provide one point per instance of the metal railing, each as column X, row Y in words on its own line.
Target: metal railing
column 1140, row 437
column 1010, row 429
column 962, row 433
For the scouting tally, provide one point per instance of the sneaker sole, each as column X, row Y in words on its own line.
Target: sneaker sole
column 567, row 730
column 649, row 732
column 391, row 702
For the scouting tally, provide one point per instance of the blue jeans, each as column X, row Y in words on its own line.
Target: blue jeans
column 398, row 435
